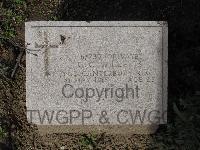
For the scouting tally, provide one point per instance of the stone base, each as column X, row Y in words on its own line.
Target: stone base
column 109, row 129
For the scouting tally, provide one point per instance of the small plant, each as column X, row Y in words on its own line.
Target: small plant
column 9, row 21
column 19, row 2
column 2, row 133
column 88, row 142
column 7, row 28
column 54, row 18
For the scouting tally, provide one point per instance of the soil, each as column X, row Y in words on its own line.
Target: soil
column 184, row 30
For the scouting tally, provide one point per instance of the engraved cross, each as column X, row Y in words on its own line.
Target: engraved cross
column 46, row 47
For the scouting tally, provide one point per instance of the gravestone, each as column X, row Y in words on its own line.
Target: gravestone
column 101, row 76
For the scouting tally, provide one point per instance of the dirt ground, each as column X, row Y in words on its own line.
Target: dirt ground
column 19, row 134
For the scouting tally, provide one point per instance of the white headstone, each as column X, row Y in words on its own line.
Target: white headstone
column 98, row 75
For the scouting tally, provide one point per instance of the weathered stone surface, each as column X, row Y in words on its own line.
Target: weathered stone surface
column 110, row 76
